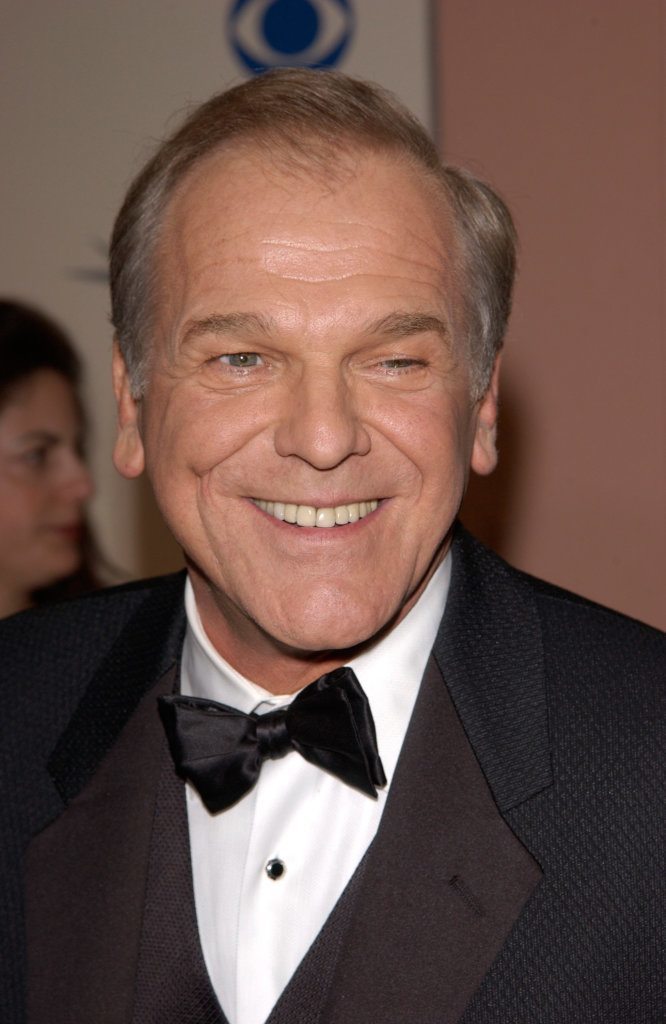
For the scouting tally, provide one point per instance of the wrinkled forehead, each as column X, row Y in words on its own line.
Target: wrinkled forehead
column 363, row 203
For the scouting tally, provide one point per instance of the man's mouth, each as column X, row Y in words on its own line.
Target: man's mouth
column 310, row 515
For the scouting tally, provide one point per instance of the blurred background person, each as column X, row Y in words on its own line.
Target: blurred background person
column 46, row 548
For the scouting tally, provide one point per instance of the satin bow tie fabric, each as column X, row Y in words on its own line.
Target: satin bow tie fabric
column 221, row 750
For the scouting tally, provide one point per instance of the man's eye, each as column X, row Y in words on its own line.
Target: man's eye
column 400, row 363
column 242, row 360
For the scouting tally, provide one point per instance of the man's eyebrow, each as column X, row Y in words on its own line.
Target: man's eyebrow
column 227, row 323
column 395, row 325
column 403, row 325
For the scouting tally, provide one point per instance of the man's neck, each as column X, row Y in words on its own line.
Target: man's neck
column 262, row 658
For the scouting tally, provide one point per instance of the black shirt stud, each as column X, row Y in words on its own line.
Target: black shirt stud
column 275, row 869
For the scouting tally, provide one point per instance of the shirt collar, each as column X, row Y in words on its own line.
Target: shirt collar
column 390, row 671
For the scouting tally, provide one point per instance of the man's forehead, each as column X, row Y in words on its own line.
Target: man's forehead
column 238, row 213
column 246, row 237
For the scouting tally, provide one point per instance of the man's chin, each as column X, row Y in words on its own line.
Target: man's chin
column 304, row 620
column 343, row 631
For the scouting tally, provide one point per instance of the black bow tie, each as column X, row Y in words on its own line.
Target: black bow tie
column 221, row 750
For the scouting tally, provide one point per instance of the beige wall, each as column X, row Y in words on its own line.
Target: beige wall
column 561, row 106
column 559, row 103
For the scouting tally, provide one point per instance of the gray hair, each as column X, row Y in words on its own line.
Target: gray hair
column 310, row 115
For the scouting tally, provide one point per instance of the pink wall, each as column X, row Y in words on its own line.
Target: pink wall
column 561, row 106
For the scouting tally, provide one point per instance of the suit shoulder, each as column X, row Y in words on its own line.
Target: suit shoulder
column 581, row 621
column 50, row 655
column 109, row 605
column 552, row 598
column 601, row 664
column 69, row 638
column 584, row 632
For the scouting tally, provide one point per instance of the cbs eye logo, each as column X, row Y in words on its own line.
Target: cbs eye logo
column 290, row 33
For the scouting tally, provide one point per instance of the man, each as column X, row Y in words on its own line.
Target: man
column 420, row 786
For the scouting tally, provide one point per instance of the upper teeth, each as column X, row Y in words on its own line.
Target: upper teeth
column 309, row 515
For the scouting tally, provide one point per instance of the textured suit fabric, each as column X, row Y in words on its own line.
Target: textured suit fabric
column 562, row 703
column 591, row 943
column 172, row 985
column 51, row 656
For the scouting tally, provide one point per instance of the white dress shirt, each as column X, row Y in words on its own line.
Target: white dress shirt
column 255, row 930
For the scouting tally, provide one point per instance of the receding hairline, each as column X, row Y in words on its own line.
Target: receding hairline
column 311, row 119
column 329, row 162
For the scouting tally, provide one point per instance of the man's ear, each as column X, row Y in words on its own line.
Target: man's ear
column 484, row 451
column 128, row 454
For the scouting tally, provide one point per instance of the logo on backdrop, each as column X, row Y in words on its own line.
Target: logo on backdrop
column 290, row 33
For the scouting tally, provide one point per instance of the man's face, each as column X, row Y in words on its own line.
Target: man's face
column 305, row 355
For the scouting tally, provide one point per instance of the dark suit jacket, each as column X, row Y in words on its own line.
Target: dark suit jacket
column 518, row 874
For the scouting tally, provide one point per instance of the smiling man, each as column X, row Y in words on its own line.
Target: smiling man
column 350, row 766
column 309, row 352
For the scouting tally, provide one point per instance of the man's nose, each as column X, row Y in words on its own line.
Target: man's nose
column 320, row 422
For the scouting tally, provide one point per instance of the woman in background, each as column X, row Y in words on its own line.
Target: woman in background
column 46, row 551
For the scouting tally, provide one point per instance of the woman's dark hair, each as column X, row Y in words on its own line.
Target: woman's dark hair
column 30, row 342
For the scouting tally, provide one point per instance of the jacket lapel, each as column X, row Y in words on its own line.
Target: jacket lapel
column 490, row 651
column 86, row 872
column 444, row 881
column 86, row 876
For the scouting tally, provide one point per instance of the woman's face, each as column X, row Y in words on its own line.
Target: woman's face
column 44, row 486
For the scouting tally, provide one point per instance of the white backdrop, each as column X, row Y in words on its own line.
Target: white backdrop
column 86, row 88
